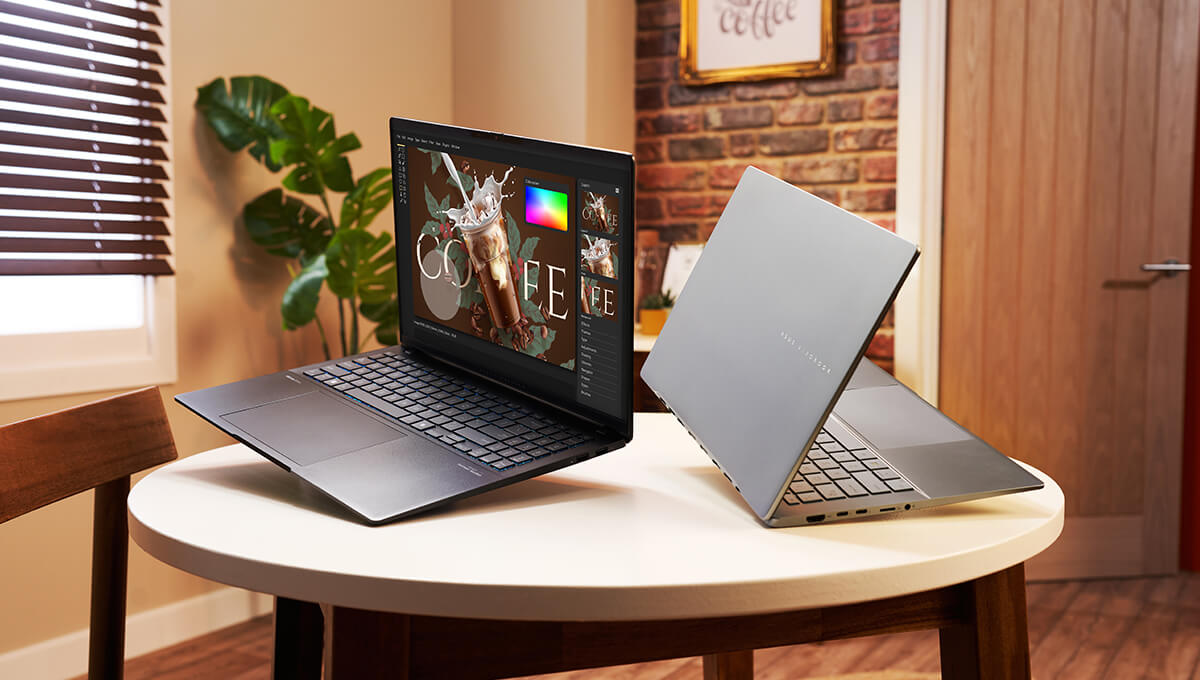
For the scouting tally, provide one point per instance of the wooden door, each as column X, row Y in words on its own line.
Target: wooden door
column 1069, row 138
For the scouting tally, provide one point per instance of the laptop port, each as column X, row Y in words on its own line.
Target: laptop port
column 843, row 513
column 887, row 509
column 908, row 506
column 816, row 518
column 860, row 512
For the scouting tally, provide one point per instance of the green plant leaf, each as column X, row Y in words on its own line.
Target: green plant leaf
column 540, row 345
column 370, row 195
column 468, row 182
column 568, row 364
column 528, row 246
column 362, row 265
column 435, row 161
column 302, row 294
column 435, row 210
column 286, row 226
column 310, row 142
column 240, row 114
column 387, row 315
column 514, row 234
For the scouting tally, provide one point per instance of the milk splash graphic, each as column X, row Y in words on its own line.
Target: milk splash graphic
column 481, row 222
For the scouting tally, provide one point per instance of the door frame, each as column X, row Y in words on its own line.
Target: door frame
column 920, row 165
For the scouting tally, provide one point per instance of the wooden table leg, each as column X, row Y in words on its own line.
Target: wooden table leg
column 729, row 665
column 995, row 644
column 366, row 645
column 299, row 630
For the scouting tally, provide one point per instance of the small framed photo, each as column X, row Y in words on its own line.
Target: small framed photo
column 738, row 40
column 681, row 259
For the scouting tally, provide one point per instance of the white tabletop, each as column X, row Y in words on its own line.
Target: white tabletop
column 651, row 531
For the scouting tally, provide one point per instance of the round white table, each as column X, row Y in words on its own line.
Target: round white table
column 645, row 552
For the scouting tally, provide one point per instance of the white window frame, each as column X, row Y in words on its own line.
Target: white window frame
column 52, row 364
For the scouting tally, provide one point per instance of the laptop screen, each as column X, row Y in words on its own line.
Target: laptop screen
column 515, row 262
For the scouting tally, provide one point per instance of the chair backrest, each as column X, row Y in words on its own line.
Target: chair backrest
column 93, row 446
column 50, row 457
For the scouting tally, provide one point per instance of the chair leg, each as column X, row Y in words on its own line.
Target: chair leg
column 110, row 566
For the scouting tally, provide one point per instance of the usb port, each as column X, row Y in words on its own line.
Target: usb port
column 816, row 518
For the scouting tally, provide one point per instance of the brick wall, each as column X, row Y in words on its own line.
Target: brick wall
column 833, row 136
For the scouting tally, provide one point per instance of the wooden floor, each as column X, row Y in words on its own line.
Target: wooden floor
column 1127, row 628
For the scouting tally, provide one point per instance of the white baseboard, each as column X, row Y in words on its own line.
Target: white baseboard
column 66, row 656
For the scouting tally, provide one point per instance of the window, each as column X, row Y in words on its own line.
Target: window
column 86, row 295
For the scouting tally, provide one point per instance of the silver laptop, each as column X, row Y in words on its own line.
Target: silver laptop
column 762, row 361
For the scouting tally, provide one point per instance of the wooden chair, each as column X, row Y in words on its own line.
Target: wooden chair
column 93, row 446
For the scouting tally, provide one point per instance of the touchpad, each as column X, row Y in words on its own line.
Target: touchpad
column 311, row 427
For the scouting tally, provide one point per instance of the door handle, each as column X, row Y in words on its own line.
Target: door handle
column 1169, row 267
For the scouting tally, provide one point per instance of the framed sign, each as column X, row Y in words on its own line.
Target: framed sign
column 681, row 258
column 735, row 40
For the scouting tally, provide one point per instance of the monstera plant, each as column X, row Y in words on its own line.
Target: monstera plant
column 284, row 132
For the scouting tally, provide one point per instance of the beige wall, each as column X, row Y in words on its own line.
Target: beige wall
column 564, row 71
column 547, row 69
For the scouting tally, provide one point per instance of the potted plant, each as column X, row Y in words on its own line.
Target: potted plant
column 324, row 247
column 655, row 308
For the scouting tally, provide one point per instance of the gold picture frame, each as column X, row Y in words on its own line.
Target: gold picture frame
column 754, row 15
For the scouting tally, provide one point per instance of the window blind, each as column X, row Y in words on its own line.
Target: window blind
column 81, row 134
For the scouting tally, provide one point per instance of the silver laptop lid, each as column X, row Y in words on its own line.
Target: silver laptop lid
column 767, row 331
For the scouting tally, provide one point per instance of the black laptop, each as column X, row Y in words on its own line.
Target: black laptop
column 514, row 265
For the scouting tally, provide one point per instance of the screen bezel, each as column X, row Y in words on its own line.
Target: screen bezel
column 616, row 168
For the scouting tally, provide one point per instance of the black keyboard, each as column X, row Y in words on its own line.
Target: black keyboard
column 493, row 429
column 832, row 471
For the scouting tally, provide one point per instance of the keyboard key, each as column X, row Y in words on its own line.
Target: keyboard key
column 832, row 447
column 807, row 468
column 437, row 433
column 875, row 464
column 376, row 403
column 314, row 372
column 498, row 447
column 476, row 423
column 837, row 474
column 790, row 499
column 855, row 466
column 422, row 425
column 871, row 483
column 824, row 438
column 439, row 420
column 899, row 485
column 493, row 431
column 887, row 473
column 829, row 492
column 851, row 487
column 816, row 479
column 816, row 454
column 843, row 456
column 475, row 436
column 502, row 464
column 490, row 458
column 828, row 464
column 862, row 454
column 521, row 458
column 516, row 428
column 800, row 486
column 810, row 497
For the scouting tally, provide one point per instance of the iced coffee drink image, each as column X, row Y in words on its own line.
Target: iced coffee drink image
column 597, row 212
column 485, row 238
column 598, row 258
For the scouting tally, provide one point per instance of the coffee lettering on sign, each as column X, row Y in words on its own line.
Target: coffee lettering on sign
column 758, row 17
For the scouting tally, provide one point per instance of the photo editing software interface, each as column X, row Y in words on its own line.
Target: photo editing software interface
column 514, row 260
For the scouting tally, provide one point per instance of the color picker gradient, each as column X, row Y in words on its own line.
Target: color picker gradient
column 546, row 208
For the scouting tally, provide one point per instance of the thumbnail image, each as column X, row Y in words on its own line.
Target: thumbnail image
column 599, row 257
column 600, row 212
column 598, row 298
column 482, row 270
